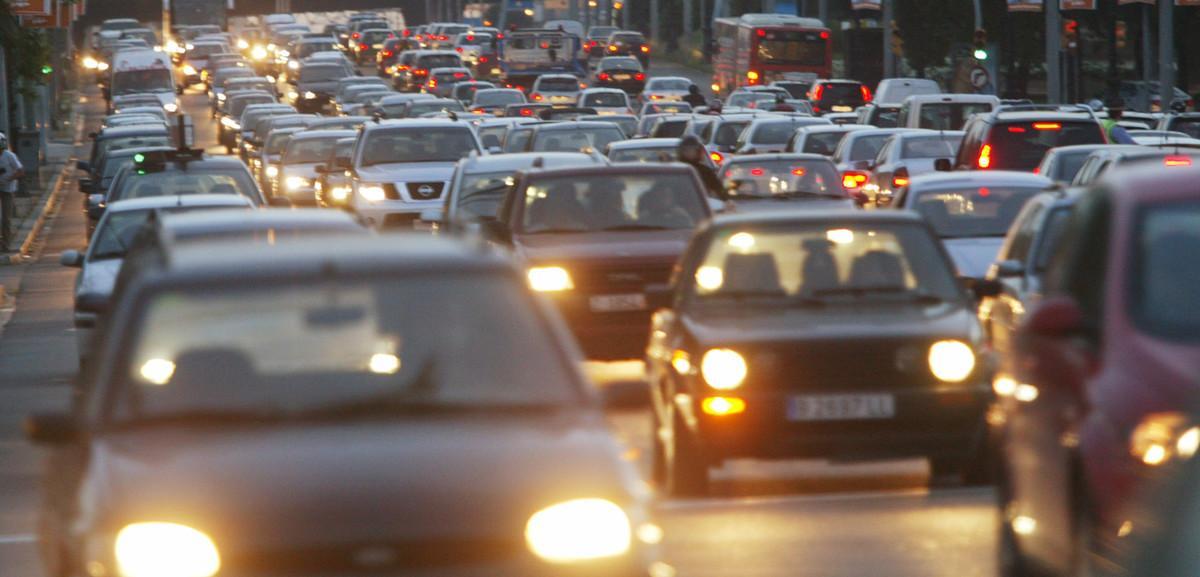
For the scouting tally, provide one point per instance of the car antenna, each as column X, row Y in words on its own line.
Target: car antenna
column 538, row 162
column 453, row 116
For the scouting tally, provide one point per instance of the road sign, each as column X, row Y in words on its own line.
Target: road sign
column 980, row 77
column 31, row 7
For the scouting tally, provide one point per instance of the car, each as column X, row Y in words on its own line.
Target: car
column 180, row 173
column 838, row 96
column 821, row 138
column 1101, row 162
column 496, row 100
column 305, row 47
column 344, row 85
column 313, row 87
column 744, row 98
column 478, row 50
column 359, row 98
column 834, row 334
column 441, row 81
column 771, row 133
column 596, row 42
column 877, row 115
column 626, row 122
column 573, row 136
column 795, row 88
column 594, row 239
column 395, row 104
column 304, row 151
column 369, row 43
column 643, row 150
column 971, row 213
column 629, row 43
column 337, row 123
column 197, row 339
column 122, row 137
column 1062, row 163
column 893, row 91
column 1017, row 137
column 414, row 75
column 492, row 131
column 129, row 119
column 668, row 125
column 100, row 262
column 480, row 183
column 944, row 111
column 666, row 89
column 785, row 181
column 244, row 127
column 423, row 107
column 464, row 92
column 402, row 167
column 106, row 170
column 659, row 107
column 856, row 152
column 620, row 72
column 387, row 57
column 720, row 136
column 196, row 58
column 905, row 156
column 1107, row 357
column 555, row 89
column 1187, row 123
column 527, row 110
column 333, row 184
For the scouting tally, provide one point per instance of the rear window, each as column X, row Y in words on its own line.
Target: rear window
column 606, row 99
column 1068, row 165
column 822, row 142
column 773, row 133
column 620, row 64
column 972, row 212
column 841, row 91
column 1021, row 145
column 1188, row 126
column 439, row 61
column 627, row 38
column 867, row 147
column 930, row 147
column 577, row 139
column 559, row 84
column 1167, row 281
column 949, row 115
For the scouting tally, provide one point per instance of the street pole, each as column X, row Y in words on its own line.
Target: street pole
column 4, row 96
column 823, row 11
column 1147, row 48
column 1053, row 50
column 654, row 23
column 978, row 16
column 1166, row 53
column 687, row 17
column 889, row 58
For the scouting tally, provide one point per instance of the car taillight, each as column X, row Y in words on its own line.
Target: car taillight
column 612, row 48
column 1047, row 126
column 387, row 53
column 655, row 97
column 363, row 47
column 483, row 59
column 757, row 172
column 407, row 33
column 356, row 36
column 817, row 90
column 433, row 82
column 458, row 50
column 645, row 49
column 526, row 112
column 1177, row 161
column 985, row 157
column 603, row 76
column 852, row 179
column 866, row 93
column 752, row 77
column 716, row 157
column 420, row 72
column 535, row 96
column 639, row 76
column 900, row 178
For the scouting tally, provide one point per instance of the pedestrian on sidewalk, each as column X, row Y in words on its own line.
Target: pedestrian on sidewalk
column 11, row 173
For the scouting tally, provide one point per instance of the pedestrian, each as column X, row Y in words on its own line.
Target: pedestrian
column 1113, row 131
column 694, row 97
column 781, row 105
column 11, row 173
column 692, row 152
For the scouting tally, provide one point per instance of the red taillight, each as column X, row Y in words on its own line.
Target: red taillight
column 458, row 50
column 535, row 96
column 760, row 32
column 1177, row 161
column 757, row 172
column 716, row 157
column 433, row 82
column 420, row 72
column 483, row 59
column 824, row 35
column 526, row 112
column 799, row 172
column 612, row 48
column 645, row 49
column 984, row 191
column 603, row 76
column 363, row 47
column 985, row 157
column 443, row 37
column 817, row 90
column 401, row 67
column 866, row 93
column 1047, row 126
column 655, row 97
column 387, row 53
column 459, row 75
column 356, row 36
column 470, row 37
column 500, row 36
column 639, row 76
column 1016, row 129
column 852, row 180
column 407, row 33
column 900, row 178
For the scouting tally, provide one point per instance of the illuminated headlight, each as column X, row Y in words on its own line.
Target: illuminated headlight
column 1161, row 437
column 230, row 123
column 190, row 46
column 339, row 193
column 272, row 171
column 293, row 65
column 293, row 95
column 221, row 96
column 189, row 70
column 258, row 53
column 372, row 192
column 242, row 44
column 165, row 550
column 171, row 107
column 102, row 66
column 310, row 95
column 723, row 369
column 951, row 361
column 90, row 63
column 550, row 279
column 297, row 182
column 579, row 530
column 172, row 46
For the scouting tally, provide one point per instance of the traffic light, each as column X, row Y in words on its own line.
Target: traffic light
column 1070, row 34
column 1121, row 33
column 981, row 51
column 47, row 69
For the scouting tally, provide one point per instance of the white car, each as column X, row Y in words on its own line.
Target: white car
column 402, row 167
column 666, row 88
column 556, row 89
column 605, row 101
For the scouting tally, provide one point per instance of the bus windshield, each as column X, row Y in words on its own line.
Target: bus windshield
column 791, row 47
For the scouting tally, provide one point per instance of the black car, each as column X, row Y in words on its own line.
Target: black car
column 623, row 72
column 628, row 43
column 824, row 334
column 595, row 239
column 838, row 96
column 313, row 87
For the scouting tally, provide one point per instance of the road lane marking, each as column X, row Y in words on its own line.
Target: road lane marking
column 17, row 539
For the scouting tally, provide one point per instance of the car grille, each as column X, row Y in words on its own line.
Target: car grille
column 390, row 192
column 621, row 277
column 425, row 190
column 851, row 364
column 374, row 557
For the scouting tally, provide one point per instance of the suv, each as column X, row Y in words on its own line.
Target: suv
column 838, row 96
column 627, row 43
column 402, row 167
column 1017, row 137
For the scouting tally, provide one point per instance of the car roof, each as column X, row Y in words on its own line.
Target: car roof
column 132, row 130
column 836, row 127
column 635, row 143
column 750, row 158
column 211, row 221
column 1082, row 148
column 317, row 134
column 805, row 216
column 938, row 180
column 619, row 168
column 955, row 97
column 413, row 122
column 1140, row 183
column 574, row 125
column 523, row 160
column 925, row 133
column 187, row 200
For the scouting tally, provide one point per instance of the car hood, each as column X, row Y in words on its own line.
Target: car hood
column 407, row 171
column 973, row 256
column 600, row 246
column 748, row 325
column 312, row 486
column 98, row 277
column 319, row 87
column 766, row 204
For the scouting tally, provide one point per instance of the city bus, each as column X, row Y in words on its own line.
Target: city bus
column 762, row 48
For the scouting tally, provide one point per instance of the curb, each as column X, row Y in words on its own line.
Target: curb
column 48, row 208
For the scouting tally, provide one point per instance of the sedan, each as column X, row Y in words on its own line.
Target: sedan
column 905, row 156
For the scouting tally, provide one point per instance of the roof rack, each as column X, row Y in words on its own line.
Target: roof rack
column 1046, row 108
column 768, row 19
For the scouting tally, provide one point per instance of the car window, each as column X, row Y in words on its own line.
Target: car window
column 867, row 147
column 480, row 194
column 558, row 84
column 498, row 98
column 576, row 139
column 142, row 184
column 1188, row 126
column 1021, row 146
column 612, row 202
column 728, row 133
column 115, row 233
column 324, row 73
column 677, row 84
column 829, row 264
column 773, row 133
column 309, row 150
column 1067, row 165
column 416, row 144
column 1022, row 238
column 1051, row 235
column 605, row 99
column 930, row 147
column 272, row 351
column 949, row 115
column 663, row 154
column 971, row 212
column 822, row 142
column 1167, row 271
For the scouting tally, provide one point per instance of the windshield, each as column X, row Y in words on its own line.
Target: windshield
column 466, row 90
column 773, row 133
column 203, row 51
column 824, row 264
column 498, row 98
column 576, row 139
column 792, row 47
column 867, row 147
column 210, row 180
column 748, row 99
column 277, row 142
column 1167, row 262
column 416, row 109
column 417, row 144
column 605, row 99
column 822, row 142
column 322, row 73
column 949, row 115
column 614, row 202
column 356, row 346
column 1021, row 146
column 115, row 233
column 621, row 64
column 930, row 147
column 439, row 61
column 676, row 84
column 309, row 48
column 972, row 212
column 558, row 85
column 309, row 150
column 645, row 154
column 480, row 194
column 111, row 144
column 149, row 80
column 775, row 178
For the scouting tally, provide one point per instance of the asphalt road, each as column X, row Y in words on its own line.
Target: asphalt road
column 765, row 519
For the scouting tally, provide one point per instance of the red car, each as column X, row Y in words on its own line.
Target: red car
column 1094, row 402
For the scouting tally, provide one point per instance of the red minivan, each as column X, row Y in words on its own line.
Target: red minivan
column 1098, row 397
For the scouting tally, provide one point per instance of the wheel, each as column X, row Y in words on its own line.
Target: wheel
column 687, row 470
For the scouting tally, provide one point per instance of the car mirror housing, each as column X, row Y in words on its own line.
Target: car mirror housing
column 71, row 258
column 942, row 165
column 1008, row 269
column 51, row 428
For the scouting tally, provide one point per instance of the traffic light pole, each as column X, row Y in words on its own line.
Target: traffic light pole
column 1166, row 53
column 1053, row 53
column 889, row 57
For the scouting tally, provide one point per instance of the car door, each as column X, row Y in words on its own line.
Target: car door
column 1001, row 314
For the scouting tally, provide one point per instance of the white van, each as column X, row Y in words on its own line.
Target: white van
column 144, row 71
column 894, row 90
column 943, row 111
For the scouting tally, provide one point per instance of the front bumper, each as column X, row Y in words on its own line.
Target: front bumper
column 392, row 213
column 604, row 335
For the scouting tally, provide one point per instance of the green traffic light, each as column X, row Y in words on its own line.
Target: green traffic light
column 981, row 54
column 47, row 69
column 139, row 158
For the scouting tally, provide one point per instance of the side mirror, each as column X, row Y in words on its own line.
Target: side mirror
column 943, row 165
column 71, row 258
column 51, row 428
column 280, row 202
column 1055, row 317
column 86, row 185
column 495, row 230
column 495, row 150
column 717, row 205
column 83, row 164
column 1008, row 269
column 431, row 215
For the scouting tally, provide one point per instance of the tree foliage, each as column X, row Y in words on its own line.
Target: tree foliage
column 930, row 27
column 26, row 50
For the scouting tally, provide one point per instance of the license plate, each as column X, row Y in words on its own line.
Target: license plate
column 842, row 109
column 616, row 303
column 840, row 407
column 621, row 76
column 376, row 46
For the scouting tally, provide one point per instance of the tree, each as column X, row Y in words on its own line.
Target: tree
column 929, row 28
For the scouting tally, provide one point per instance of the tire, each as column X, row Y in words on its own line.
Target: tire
column 687, row 470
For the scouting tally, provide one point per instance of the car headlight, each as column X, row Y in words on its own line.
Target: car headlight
column 90, row 63
column 339, row 193
column 372, row 192
column 189, row 70
column 272, row 171
column 293, row 95
column 221, row 96
column 165, row 550
column 258, row 53
column 171, row 107
column 230, row 123
column 242, row 44
column 951, row 361
column 310, row 95
column 723, row 369
column 579, row 530
column 1161, row 437
column 297, row 182
column 293, row 65
column 102, row 66
column 550, row 279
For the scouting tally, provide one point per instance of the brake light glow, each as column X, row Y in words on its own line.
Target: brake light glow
column 612, row 48
column 603, row 76
column 639, row 76
column 1047, row 126
column 363, row 47
column 526, row 112
column 985, row 157
column 716, row 157
column 433, row 82
column 535, row 96
column 866, row 93
column 756, row 172
column 420, row 72
column 824, row 35
column 799, row 172
column 760, row 32
column 387, row 53
column 817, row 90
column 470, row 37
column 460, row 75
column 852, row 180
column 483, row 59
column 752, row 76
column 458, row 50
column 645, row 49
column 1016, row 129
column 900, row 178
column 407, row 33
column 1177, row 161
column 984, row 191
column 356, row 36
